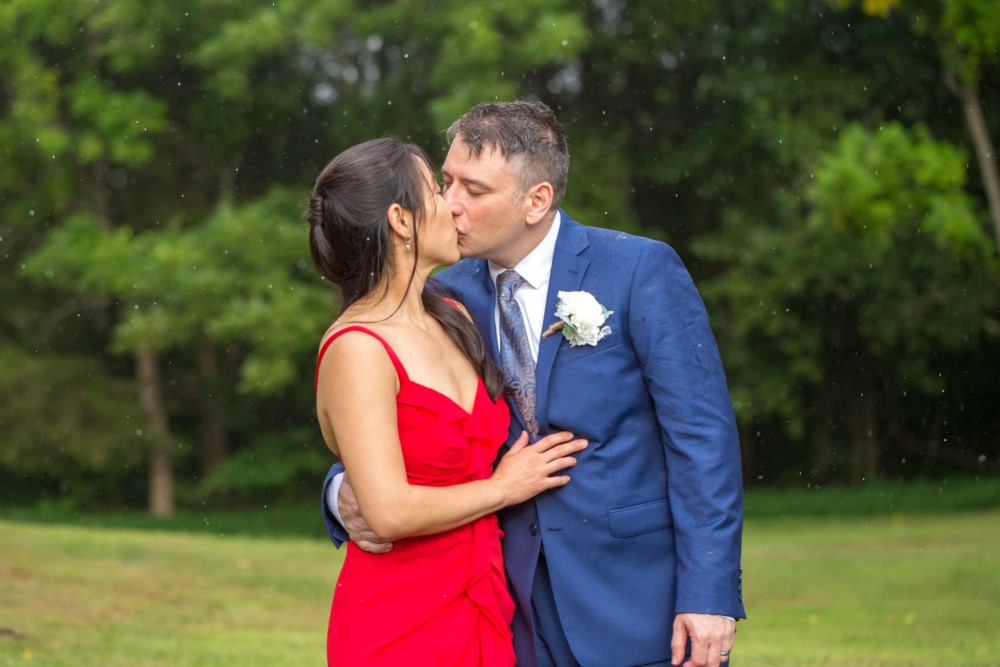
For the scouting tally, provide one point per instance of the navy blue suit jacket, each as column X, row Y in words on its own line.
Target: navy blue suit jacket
column 650, row 524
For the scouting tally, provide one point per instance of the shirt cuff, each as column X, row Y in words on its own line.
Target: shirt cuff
column 332, row 494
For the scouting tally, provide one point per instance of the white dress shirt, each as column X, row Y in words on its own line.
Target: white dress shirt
column 536, row 269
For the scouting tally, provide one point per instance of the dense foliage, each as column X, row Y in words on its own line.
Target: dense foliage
column 825, row 168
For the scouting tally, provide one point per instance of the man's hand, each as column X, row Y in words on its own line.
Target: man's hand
column 711, row 639
column 355, row 524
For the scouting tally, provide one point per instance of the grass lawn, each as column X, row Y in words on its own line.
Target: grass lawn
column 895, row 590
column 89, row 596
column 887, row 591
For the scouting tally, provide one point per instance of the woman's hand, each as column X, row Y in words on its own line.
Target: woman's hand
column 525, row 471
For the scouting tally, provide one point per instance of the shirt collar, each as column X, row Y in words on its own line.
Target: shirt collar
column 536, row 267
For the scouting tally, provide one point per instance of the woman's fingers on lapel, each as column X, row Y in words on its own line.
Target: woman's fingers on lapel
column 520, row 443
column 560, row 449
column 552, row 440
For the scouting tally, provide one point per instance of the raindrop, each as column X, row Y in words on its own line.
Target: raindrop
column 835, row 38
column 324, row 93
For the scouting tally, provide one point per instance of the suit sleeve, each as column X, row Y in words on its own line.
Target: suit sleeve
column 683, row 372
column 333, row 528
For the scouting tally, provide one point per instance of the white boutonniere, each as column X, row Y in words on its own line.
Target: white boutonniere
column 581, row 319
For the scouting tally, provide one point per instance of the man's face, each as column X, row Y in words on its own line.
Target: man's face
column 481, row 193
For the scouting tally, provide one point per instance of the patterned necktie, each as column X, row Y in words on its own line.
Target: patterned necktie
column 515, row 353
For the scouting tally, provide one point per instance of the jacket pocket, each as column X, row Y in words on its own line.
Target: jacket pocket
column 569, row 354
column 639, row 519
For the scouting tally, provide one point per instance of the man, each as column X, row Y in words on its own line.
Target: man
column 638, row 556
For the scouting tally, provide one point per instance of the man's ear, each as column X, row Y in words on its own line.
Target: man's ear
column 400, row 221
column 539, row 202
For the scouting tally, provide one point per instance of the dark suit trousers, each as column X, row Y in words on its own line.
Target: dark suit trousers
column 551, row 647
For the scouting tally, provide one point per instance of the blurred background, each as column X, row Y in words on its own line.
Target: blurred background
column 827, row 170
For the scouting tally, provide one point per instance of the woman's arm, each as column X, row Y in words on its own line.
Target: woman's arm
column 356, row 401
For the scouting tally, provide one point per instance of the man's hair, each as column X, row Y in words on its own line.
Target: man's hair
column 527, row 134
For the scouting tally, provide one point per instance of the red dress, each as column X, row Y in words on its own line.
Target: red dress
column 438, row 599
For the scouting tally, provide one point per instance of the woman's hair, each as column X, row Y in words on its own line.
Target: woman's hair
column 350, row 239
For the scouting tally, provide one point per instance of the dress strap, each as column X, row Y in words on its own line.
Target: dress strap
column 400, row 371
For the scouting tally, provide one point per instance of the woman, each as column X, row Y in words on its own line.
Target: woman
column 409, row 400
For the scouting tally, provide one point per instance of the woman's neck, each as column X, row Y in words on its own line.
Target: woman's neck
column 402, row 301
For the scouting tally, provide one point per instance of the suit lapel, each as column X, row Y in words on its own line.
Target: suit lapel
column 481, row 306
column 568, row 269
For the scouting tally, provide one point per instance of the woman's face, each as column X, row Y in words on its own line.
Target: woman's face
column 438, row 236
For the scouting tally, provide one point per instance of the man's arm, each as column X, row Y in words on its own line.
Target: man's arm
column 343, row 516
column 683, row 371
column 328, row 505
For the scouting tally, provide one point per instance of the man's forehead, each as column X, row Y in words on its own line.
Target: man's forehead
column 490, row 158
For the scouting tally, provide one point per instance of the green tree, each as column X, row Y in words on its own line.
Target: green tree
column 852, row 321
column 222, row 284
column 967, row 36
column 153, row 160
column 132, row 141
column 151, row 151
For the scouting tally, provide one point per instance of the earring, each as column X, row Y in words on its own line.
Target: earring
column 408, row 248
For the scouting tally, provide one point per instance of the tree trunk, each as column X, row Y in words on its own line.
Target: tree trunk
column 972, row 107
column 864, row 432
column 161, row 462
column 823, row 434
column 214, row 444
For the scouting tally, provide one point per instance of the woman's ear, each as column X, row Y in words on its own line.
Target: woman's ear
column 539, row 201
column 400, row 221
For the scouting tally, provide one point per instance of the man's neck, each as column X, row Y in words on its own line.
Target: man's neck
column 535, row 264
column 538, row 234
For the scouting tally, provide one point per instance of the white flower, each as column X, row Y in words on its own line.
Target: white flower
column 582, row 318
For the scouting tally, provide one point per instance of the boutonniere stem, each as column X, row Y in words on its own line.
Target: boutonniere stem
column 555, row 328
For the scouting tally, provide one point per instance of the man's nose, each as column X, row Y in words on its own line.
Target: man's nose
column 452, row 201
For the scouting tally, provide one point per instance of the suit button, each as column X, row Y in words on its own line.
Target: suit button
column 533, row 529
